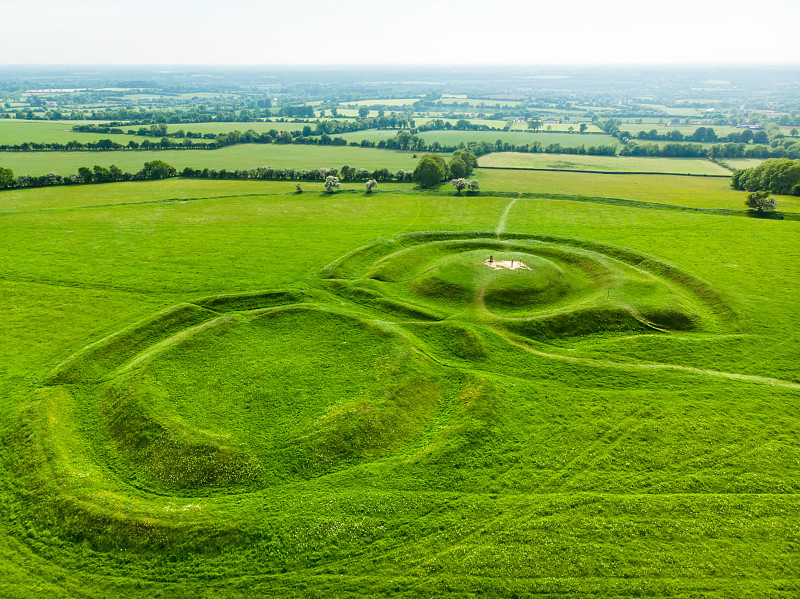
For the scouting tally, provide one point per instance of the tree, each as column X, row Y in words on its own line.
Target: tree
column 431, row 170
column 761, row 201
column 460, row 184
column 458, row 168
column 473, row 186
column 793, row 132
column 534, row 123
column 85, row 174
column 297, row 188
column 363, row 112
column 583, row 127
column 469, row 159
column 370, row 185
column 332, row 184
column 158, row 169
column 6, row 177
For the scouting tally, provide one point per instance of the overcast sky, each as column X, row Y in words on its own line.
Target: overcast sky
column 400, row 32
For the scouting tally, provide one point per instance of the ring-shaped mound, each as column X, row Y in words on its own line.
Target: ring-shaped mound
column 511, row 281
column 260, row 399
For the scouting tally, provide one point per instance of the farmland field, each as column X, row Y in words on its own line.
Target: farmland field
column 695, row 166
column 687, row 130
column 14, row 131
column 559, row 127
column 242, row 156
column 519, row 138
column 454, row 137
column 698, row 192
column 221, row 389
column 387, row 102
column 744, row 162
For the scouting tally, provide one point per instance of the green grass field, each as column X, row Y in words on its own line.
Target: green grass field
column 453, row 137
column 232, row 157
column 14, row 131
column 720, row 130
column 694, row 166
column 387, row 102
column 225, row 389
column 17, row 132
column 744, row 162
column 699, row 192
column 519, row 138
column 558, row 127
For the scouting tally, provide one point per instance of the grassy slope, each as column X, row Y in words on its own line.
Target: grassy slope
column 597, row 482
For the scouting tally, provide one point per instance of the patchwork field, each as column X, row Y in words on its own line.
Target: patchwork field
column 222, row 389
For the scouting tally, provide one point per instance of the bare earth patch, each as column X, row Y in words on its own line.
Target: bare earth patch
column 509, row 264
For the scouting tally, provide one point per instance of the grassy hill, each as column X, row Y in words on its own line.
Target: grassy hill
column 223, row 388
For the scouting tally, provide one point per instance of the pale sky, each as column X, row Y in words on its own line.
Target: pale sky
column 399, row 32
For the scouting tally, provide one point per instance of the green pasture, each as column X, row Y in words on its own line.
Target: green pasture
column 694, row 166
column 242, row 156
column 500, row 124
column 227, row 389
column 687, row 130
column 683, row 111
column 742, row 163
column 558, row 127
column 699, row 192
column 257, row 126
column 13, row 131
column 454, row 137
column 519, row 138
column 382, row 102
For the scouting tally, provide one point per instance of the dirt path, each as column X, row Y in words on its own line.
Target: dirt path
column 501, row 225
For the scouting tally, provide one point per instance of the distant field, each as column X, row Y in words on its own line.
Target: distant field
column 387, row 102
column 14, row 131
column 519, row 138
column 232, row 157
column 687, row 130
column 677, row 110
column 744, row 162
column 452, row 137
column 558, row 127
column 698, row 192
column 694, row 166
column 258, row 126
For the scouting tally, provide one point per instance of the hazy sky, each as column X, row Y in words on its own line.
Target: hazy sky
column 400, row 32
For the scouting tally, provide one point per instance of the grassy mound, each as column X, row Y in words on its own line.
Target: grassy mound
column 168, row 453
column 257, row 400
column 107, row 354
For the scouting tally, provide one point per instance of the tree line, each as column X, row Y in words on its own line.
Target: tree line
column 747, row 144
column 777, row 175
